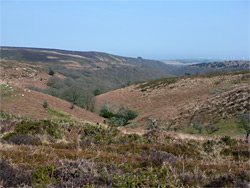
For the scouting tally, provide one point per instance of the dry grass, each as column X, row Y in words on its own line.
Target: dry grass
column 175, row 102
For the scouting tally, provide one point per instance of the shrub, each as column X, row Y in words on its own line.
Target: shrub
column 51, row 72
column 197, row 124
column 157, row 158
column 43, row 175
column 25, row 139
column 154, row 123
column 130, row 138
column 104, row 112
column 38, row 127
column 12, row 177
column 45, row 104
column 228, row 141
column 120, row 118
column 208, row 146
column 211, row 129
column 97, row 92
column 244, row 123
column 9, row 135
column 55, row 82
column 81, row 173
column 222, row 181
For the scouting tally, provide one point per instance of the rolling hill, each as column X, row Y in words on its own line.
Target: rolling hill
column 79, row 76
column 92, row 69
column 211, row 98
column 19, row 100
column 217, row 66
column 84, row 74
column 45, row 143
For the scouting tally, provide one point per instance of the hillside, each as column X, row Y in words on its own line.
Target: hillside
column 92, row 69
column 84, row 74
column 18, row 99
column 212, row 99
column 79, row 76
column 209, row 67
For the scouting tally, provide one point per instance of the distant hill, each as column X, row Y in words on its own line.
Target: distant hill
column 202, row 68
column 186, row 62
column 224, row 65
column 91, row 64
column 86, row 73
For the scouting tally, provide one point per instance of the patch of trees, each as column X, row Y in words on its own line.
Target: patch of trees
column 70, row 91
column 121, row 117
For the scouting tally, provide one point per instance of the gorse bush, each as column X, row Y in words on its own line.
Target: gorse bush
column 43, row 176
column 32, row 127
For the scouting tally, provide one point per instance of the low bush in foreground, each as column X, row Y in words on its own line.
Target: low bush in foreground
column 91, row 155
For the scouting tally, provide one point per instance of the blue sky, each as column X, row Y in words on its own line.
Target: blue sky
column 150, row 29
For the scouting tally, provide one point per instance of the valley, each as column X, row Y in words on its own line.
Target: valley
column 74, row 119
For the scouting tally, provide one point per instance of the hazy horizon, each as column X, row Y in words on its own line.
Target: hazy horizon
column 161, row 30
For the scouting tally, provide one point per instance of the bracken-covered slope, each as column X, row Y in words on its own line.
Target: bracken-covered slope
column 210, row 98
column 17, row 98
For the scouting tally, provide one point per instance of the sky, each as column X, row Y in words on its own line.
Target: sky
column 149, row 29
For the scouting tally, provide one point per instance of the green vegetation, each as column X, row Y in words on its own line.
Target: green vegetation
column 43, row 175
column 51, row 72
column 211, row 129
column 39, row 127
column 223, row 128
column 57, row 114
column 8, row 93
column 45, row 104
column 91, row 155
column 243, row 123
column 97, row 92
column 120, row 118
